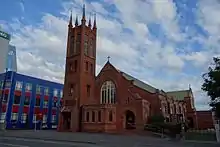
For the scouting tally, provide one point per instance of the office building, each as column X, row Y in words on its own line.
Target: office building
column 12, row 59
column 25, row 98
column 4, row 45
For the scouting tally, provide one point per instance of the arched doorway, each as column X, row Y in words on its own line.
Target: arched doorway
column 66, row 120
column 190, row 122
column 129, row 120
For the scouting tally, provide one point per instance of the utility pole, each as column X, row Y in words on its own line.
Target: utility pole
column 2, row 96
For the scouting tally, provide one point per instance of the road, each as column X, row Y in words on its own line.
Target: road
column 23, row 142
column 62, row 139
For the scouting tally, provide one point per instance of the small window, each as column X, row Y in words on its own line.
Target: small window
column 78, row 47
column 71, row 89
column 27, row 100
column 93, row 116
column 28, row 87
column 71, row 46
column 91, row 68
column 54, row 103
column 38, row 89
column 78, row 37
column 93, row 50
column 5, row 99
column 91, row 46
column 110, row 116
column 8, row 84
column 88, row 87
column 53, row 119
column 61, row 93
column 18, row 86
column 46, row 91
column 34, row 118
column 61, row 103
column 14, row 116
column 86, row 37
column 75, row 66
column 180, row 110
column 3, row 115
column 87, row 116
column 24, row 118
column 71, row 68
column 87, row 66
column 99, row 116
column 74, row 47
column 45, row 103
column 55, row 92
column 86, row 51
column 37, row 103
column 44, row 118
column 17, row 99
column 1, row 84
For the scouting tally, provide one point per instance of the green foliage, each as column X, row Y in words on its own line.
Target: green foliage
column 211, row 85
column 156, row 119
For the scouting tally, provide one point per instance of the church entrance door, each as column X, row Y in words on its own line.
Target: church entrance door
column 190, row 122
column 129, row 120
column 66, row 120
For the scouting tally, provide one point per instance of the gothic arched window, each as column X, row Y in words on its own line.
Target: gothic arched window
column 108, row 93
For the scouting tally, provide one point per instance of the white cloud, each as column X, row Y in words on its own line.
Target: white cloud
column 208, row 13
column 21, row 3
column 42, row 47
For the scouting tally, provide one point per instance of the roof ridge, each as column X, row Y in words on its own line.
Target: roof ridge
column 177, row 91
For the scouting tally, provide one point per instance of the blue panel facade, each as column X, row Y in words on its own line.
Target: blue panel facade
column 23, row 94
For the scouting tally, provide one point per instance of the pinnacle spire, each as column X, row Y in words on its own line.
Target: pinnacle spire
column 94, row 24
column 90, row 21
column 70, row 21
column 84, row 14
column 76, row 21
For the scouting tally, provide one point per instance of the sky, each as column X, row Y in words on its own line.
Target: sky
column 168, row 44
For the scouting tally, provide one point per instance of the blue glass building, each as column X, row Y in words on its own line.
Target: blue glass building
column 11, row 59
column 25, row 98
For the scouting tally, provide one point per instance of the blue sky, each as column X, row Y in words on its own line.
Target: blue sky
column 166, row 43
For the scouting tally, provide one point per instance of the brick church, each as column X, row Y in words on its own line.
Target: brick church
column 112, row 101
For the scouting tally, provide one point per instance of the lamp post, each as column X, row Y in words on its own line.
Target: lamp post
column 2, row 92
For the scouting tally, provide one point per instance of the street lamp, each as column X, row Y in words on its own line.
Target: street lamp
column 2, row 92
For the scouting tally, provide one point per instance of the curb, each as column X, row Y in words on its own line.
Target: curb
column 50, row 139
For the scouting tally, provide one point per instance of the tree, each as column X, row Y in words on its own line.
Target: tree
column 211, row 85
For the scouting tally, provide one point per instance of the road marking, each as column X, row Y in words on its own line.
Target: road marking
column 15, row 145
column 49, row 142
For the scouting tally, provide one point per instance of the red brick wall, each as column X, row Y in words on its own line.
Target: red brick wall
column 124, row 90
column 205, row 120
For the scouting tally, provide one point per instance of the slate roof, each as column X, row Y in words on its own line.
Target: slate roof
column 139, row 83
column 179, row 95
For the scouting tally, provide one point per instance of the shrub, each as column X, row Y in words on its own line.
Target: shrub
column 156, row 119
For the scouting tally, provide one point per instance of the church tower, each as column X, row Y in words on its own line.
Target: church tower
column 79, row 83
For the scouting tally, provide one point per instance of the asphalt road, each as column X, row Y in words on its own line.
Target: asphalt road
column 23, row 142
column 59, row 139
